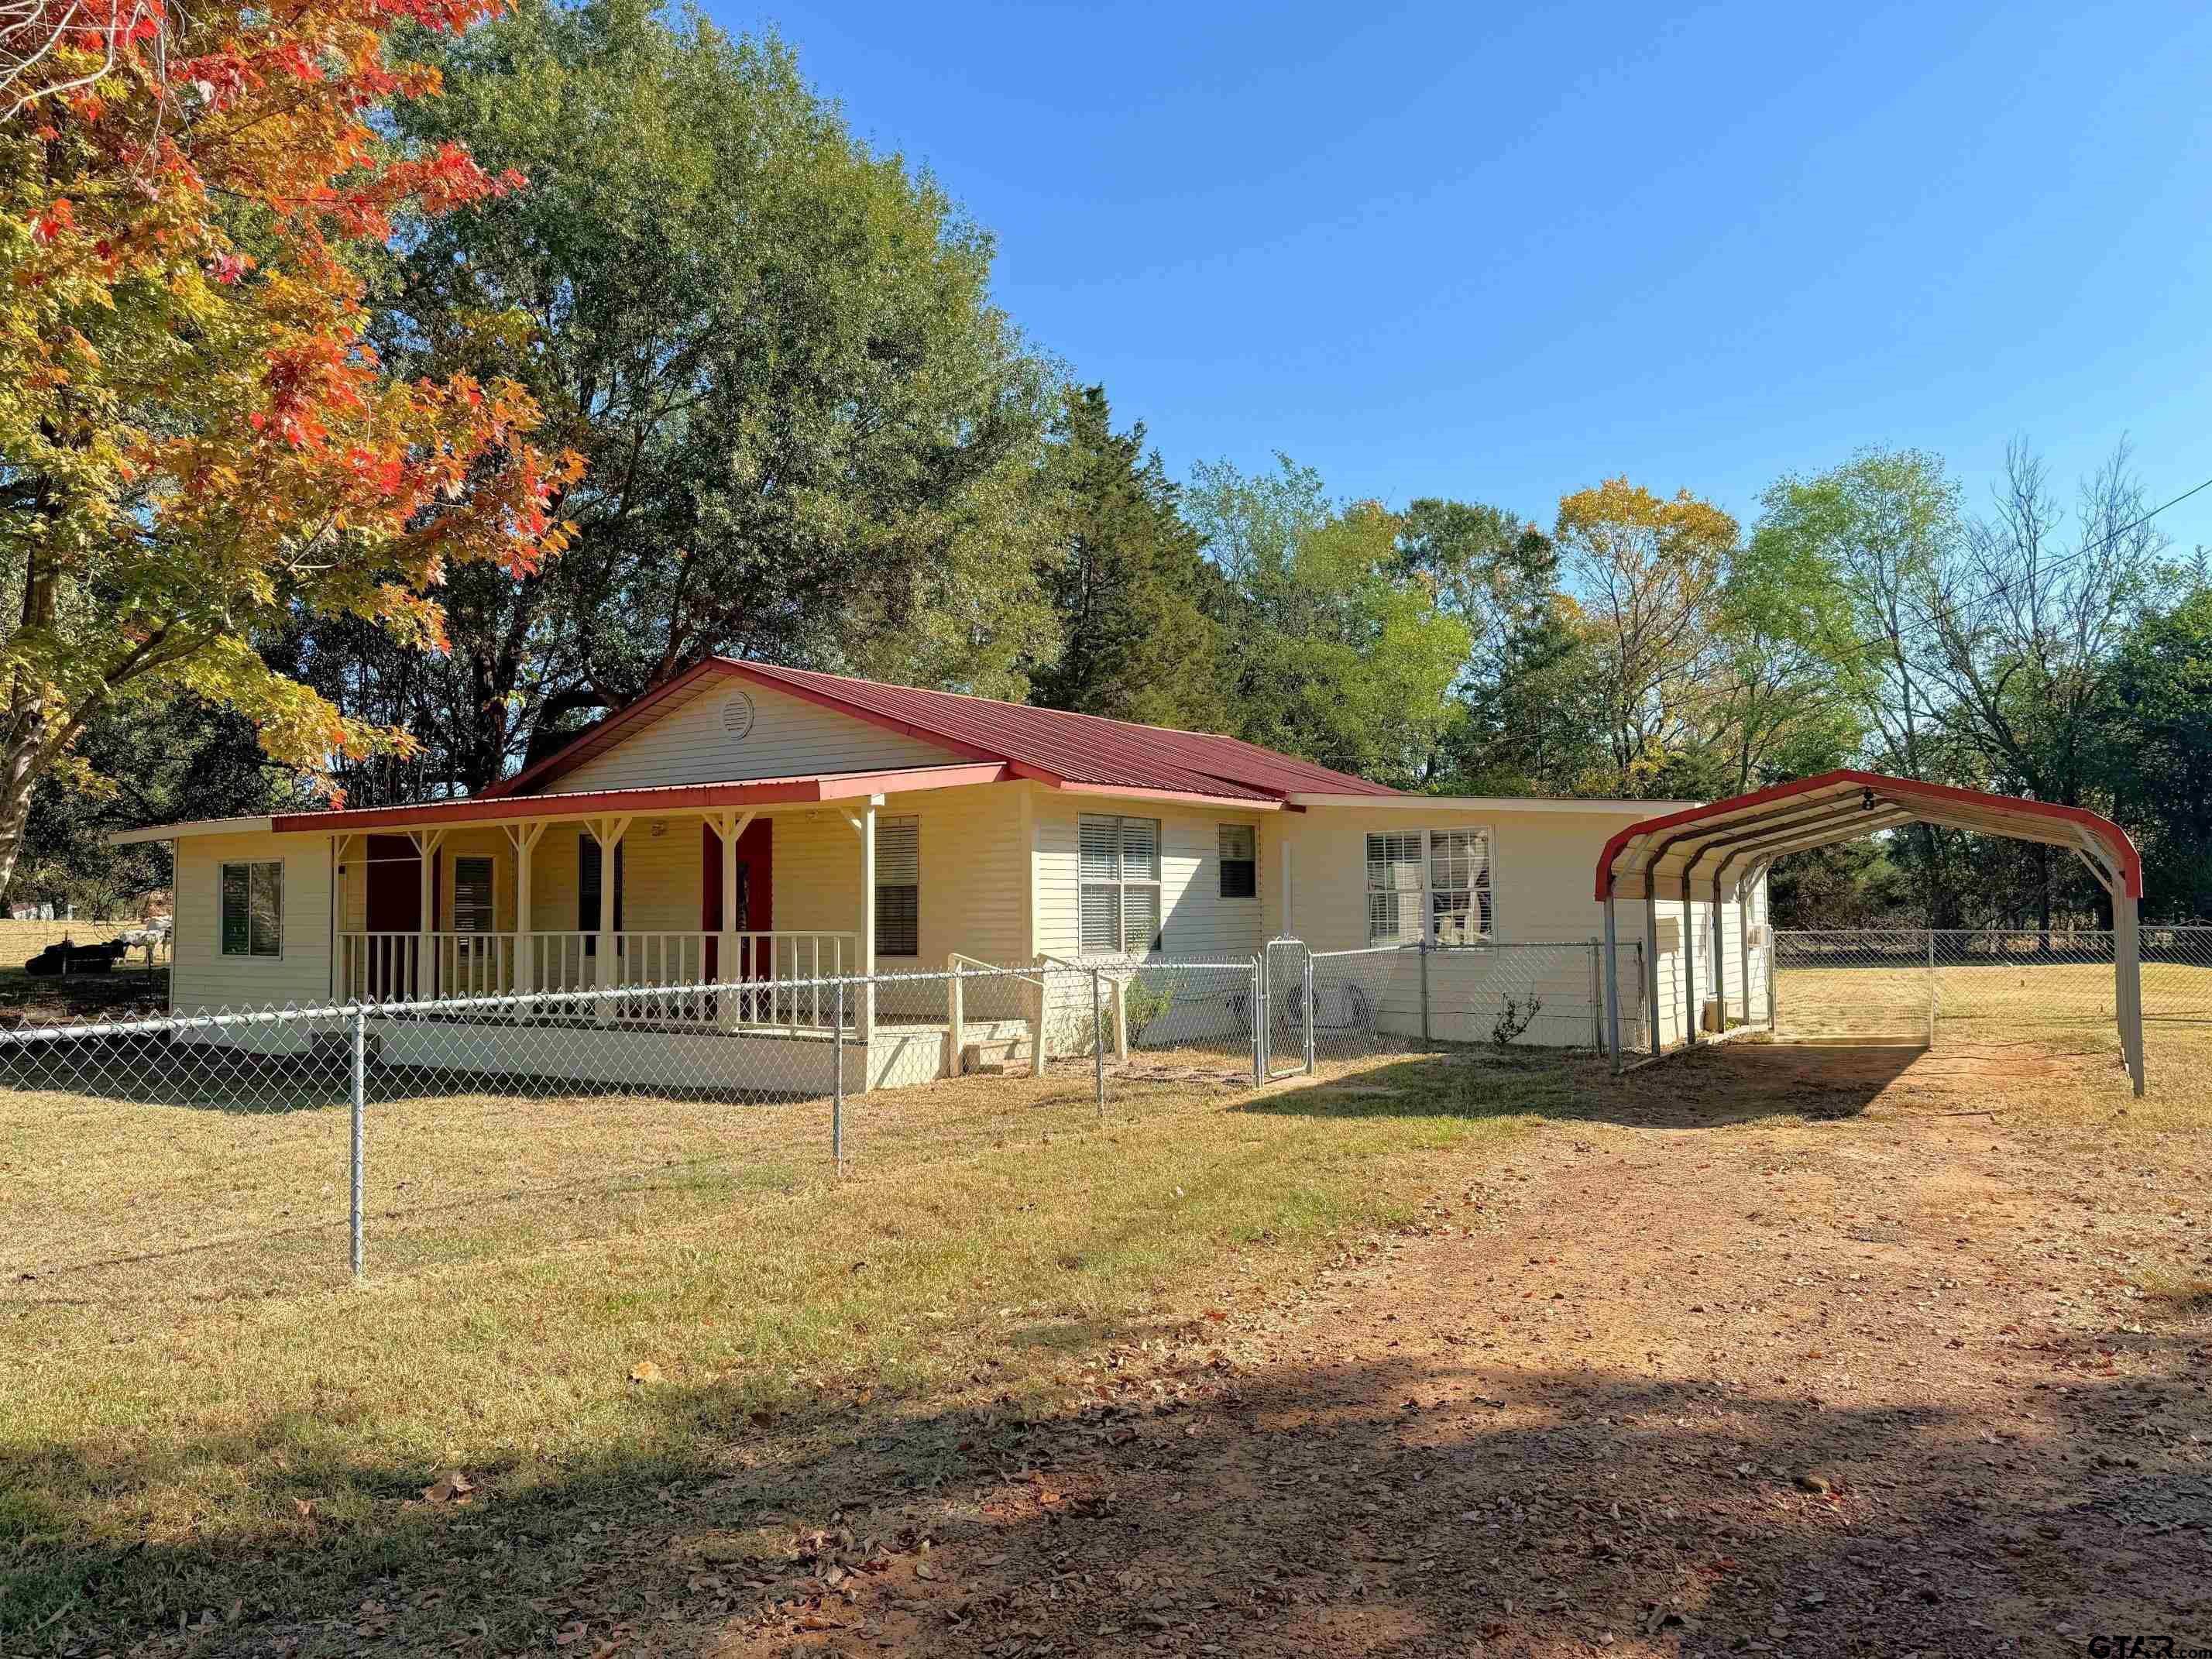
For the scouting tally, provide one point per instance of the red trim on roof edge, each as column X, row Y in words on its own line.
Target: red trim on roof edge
column 682, row 797
column 2103, row 828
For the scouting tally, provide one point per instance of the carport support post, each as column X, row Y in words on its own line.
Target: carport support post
column 1651, row 961
column 1689, row 965
column 1743, row 943
column 359, row 1090
column 2127, row 961
column 1720, row 958
column 1612, row 970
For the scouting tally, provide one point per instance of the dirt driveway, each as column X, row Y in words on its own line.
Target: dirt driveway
column 1847, row 1381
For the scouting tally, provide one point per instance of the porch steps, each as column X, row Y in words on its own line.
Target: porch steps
column 995, row 1047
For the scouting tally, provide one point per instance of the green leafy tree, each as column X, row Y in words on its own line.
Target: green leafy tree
column 1332, row 648
column 1127, row 580
column 809, row 436
column 1527, row 715
column 2160, row 764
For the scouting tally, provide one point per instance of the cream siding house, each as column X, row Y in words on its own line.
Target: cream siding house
column 771, row 828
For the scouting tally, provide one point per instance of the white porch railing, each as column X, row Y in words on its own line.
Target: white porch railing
column 669, row 972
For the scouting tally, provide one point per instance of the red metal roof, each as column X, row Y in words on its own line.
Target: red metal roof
column 1082, row 751
column 1682, row 854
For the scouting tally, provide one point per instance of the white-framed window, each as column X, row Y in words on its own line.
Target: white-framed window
column 1429, row 884
column 1240, row 860
column 898, row 887
column 1120, row 882
column 253, row 908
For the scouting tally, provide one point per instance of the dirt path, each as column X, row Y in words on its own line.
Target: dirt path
column 1839, row 1384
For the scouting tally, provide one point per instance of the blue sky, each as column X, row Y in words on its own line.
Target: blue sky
column 1502, row 253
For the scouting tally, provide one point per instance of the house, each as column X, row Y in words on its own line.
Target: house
column 774, row 827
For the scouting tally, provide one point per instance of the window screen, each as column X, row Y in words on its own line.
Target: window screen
column 589, row 863
column 1429, row 884
column 253, row 908
column 1240, row 866
column 472, row 895
column 898, row 887
column 1120, row 865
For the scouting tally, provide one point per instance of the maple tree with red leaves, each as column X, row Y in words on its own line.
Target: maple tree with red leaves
column 197, row 441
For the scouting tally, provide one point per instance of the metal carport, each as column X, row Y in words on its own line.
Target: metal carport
column 1724, row 847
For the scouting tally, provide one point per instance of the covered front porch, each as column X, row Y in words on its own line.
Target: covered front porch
column 679, row 910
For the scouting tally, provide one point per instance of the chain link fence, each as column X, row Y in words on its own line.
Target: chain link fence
column 1983, row 985
column 250, row 1151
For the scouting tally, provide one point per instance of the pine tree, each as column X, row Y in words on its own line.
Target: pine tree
column 1127, row 580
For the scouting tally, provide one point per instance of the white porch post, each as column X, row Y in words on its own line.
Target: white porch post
column 608, row 833
column 523, row 838
column 729, row 825
column 427, row 842
column 867, row 1013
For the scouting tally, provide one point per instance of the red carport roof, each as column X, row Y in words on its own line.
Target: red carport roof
column 1078, row 751
column 1682, row 854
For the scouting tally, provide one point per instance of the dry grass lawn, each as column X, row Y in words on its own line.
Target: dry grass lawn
column 704, row 1396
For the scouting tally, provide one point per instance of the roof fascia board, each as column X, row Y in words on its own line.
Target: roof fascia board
column 1131, row 791
column 191, row 827
column 1475, row 803
column 675, row 799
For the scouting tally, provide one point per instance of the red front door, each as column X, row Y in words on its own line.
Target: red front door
column 756, row 891
column 392, row 903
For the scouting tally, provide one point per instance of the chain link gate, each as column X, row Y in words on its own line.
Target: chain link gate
column 1287, row 996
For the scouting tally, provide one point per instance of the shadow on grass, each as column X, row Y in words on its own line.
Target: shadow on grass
column 1429, row 1506
column 1714, row 1087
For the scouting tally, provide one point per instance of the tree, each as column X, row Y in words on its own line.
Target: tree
column 810, row 436
column 1649, row 574
column 1332, row 648
column 1127, row 580
column 2159, row 755
column 1854, row 552
column 195, row 441
column 2027, row 617
column 1527, row 719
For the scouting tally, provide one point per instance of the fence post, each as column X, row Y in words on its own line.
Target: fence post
column 1097, row 1048
column 1259, row 1006
column 1596, row 996
column 1773, row 972
column 359, row 1090
column 837, row 1082
column 1931, row 987
column 1306, row 998
column 1425, row 1038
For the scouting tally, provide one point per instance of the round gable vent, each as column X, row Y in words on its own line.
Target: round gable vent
column 737, row 715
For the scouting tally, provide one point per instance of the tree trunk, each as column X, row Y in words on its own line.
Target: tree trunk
column 24, row 756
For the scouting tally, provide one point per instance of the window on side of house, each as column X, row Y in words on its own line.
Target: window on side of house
column 1429, row 884
column 474, row 906
column 589, row 863
column 253, row 908
column 1120, row 861
column 898, row 887
column 1240, row 860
